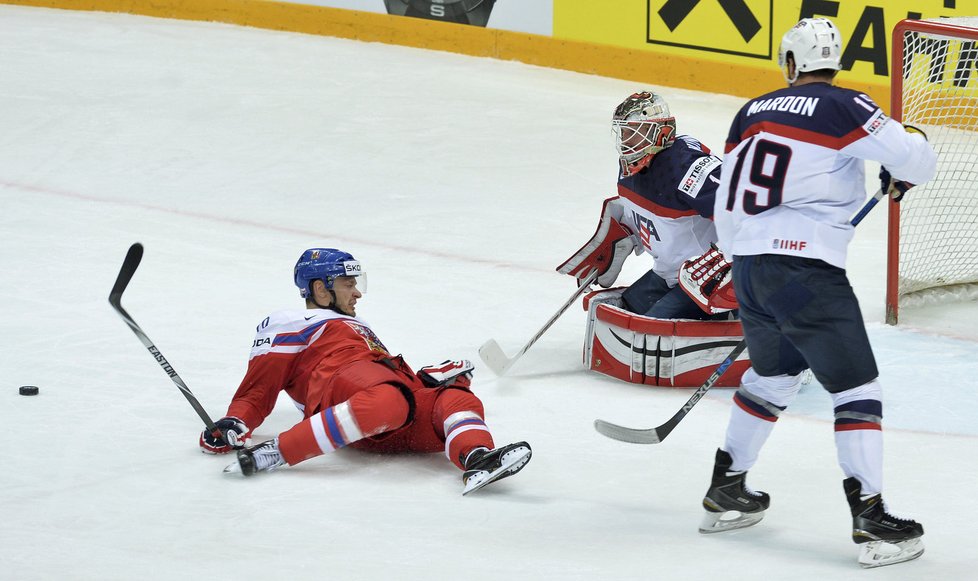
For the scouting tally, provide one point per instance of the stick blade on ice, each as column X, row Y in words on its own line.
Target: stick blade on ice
column 630, row 435
column 494, row 358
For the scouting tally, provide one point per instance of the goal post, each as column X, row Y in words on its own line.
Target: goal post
column 932, row 247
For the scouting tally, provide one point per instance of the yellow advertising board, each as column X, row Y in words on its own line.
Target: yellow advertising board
column 721, row 46
column 738, row 39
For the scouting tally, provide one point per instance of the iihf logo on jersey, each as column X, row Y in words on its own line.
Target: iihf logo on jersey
column 798, row 245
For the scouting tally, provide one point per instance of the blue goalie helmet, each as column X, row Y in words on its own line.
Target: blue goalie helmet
column 324, row 264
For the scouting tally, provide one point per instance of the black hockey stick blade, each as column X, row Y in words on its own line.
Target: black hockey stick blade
column 657, row 434
column 129, row 266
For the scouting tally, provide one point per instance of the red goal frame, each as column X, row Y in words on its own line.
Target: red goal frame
column 896, row 112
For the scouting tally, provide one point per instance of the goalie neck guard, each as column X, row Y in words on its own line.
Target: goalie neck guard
column 326, row 264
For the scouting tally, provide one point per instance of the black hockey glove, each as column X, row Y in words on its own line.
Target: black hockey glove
column 235, row 434
column 895, row 188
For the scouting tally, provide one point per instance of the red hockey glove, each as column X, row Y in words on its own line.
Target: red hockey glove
column 447, row 374
column 236, row 434
column 605, row 252
column 708, row 280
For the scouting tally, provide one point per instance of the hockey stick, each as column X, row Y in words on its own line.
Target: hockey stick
column 492, row 354
column 659, row 433
column 129, row 265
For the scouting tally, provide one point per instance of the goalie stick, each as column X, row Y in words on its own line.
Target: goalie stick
column 129, row 265
column 659, row 433
column 494, row 357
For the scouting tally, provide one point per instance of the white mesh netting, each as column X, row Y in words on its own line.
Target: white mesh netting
column 939, row 220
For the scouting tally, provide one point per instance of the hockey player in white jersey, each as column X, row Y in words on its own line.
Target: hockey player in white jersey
column 793, row 175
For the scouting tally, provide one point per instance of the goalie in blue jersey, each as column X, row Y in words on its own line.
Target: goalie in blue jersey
column 664, row 208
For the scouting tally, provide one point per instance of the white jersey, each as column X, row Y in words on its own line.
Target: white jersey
column 793, row 173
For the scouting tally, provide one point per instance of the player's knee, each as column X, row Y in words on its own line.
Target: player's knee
column 859, row 408
column 451, row 401
column 383, row 407
column 871, row 390
column 779, row 390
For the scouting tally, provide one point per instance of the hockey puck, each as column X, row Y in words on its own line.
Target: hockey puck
column 29, row 390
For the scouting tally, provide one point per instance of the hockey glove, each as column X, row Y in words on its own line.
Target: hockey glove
column 236, row 433
column 447, row 374
column 897, row 188
column 708, row 280
column 605, row 252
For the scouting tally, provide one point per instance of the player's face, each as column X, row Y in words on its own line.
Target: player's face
column 347, row 293
column 635, row 137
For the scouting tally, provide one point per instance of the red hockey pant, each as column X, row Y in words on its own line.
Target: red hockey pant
column 371, row 406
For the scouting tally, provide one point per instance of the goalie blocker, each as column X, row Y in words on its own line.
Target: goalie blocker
column 663, row 352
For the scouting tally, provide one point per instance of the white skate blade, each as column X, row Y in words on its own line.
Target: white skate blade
column 234, row 468
column 512, row 462
column 713, row 522
column 880, row 553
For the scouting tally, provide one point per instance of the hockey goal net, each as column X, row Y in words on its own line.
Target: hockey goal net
column 933, row 232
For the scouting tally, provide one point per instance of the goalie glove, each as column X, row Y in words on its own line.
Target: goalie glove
column 235, row 432
column 893, row 187
column 447, row 374
column 708, row 280
column 605, row 252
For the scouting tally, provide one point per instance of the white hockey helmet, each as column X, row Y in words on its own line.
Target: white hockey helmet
column 814, row 43
column 643, row 127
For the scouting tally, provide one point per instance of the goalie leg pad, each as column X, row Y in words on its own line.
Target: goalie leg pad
column 664, row 352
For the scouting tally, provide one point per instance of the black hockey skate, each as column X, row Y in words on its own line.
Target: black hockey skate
column 264, row 457
column 484, row 466
column 730, row 497
column 885, row 539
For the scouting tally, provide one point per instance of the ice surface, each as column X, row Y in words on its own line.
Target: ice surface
column 460, row 184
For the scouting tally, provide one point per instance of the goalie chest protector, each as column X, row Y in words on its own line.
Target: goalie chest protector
column 663, row 352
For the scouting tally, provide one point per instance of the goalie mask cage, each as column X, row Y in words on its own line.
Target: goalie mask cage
column 932, row 253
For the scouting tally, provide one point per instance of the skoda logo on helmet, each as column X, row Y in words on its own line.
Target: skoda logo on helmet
column 352, row 268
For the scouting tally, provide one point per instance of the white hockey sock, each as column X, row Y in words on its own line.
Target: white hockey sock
column 757, row 405
column 746, row 434
column 859, row 435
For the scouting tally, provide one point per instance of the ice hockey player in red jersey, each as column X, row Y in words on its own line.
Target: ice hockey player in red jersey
column 351, row 390
column 793, row 176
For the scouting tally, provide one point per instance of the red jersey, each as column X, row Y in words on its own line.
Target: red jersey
column 299, row 351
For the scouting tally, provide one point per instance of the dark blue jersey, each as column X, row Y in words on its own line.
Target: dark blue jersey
column 669, row 205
